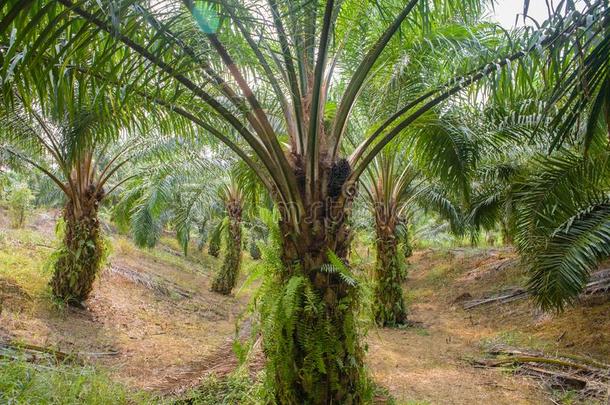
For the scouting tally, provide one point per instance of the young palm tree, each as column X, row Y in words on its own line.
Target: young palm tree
column 67, row 150
column 391, row 187
column 226, row 278
column 395, row 187
column 254, row 75
column 172, row 188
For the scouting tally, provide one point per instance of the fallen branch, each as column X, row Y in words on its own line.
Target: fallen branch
column 171, row 251
column 25, row 346
column 535, row 359
column 560, row 378
column 599, row 284
column 588, row 376
column 34, row 353
column 155, row 283
column 503, row 298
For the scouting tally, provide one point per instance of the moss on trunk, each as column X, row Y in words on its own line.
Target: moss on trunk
column 311, row 336
column 214, row 244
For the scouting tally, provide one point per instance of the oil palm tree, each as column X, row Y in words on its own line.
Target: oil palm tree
column 172, row 186
column 226, row 278
column 175, row 186
column 277, row 82
column 548, row 187
column 395, row 188
column 390, row 187
column 67, row 149
column 571, row 182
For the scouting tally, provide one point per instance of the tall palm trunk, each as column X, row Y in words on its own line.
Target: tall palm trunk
column 312, row 339
column 389, row 305
column 227, row 276
column 80, row 256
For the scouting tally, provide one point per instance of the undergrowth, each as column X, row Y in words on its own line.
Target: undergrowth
column 26, row 383
column 22, row 258
column 237, row 388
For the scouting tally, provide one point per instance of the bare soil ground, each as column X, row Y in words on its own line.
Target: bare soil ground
column 149, row 338
column 154, row 324
column 432, row 362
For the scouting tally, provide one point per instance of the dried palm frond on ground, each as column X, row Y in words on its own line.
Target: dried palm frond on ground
column 599, row 284
column 589, row 377
column 151, row 282
column 34, row 354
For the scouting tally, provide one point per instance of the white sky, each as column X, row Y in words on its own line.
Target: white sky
column 506, row 11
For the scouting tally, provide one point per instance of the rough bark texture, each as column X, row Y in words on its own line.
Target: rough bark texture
column 389, row 306
column 227, row 276
column 81, row 254
column 214, row 244
column 255, row 252
column 213, row 248
column 314, row 353
column 407, row 248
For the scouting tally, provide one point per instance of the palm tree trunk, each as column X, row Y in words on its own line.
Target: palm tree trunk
column 389, row 306
column 253, row 249
column 214, row 243
column 202, row 235
column 407, row 247
column 213, row 248
column 81, row 254
column 311, row 339
column 227, row 276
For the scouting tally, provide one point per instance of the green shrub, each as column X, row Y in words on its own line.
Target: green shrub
column 19, row 201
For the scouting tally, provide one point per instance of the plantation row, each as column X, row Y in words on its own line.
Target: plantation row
column 300, row 130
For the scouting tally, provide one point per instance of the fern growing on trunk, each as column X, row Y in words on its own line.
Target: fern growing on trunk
column 77, row 262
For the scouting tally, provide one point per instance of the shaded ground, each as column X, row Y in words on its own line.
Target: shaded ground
column 154, row 324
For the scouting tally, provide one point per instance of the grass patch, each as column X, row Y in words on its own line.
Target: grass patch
column 420, row 331
column 237, row 388
column 123, row 246
column 416, row 295
column 515, row 339
column 26, row 383
column 167, row 253
column 195, row 261
column 23, row 254
column 439, row 275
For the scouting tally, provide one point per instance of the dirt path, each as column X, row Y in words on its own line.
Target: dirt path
column 430, row 362
column 154, row 310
